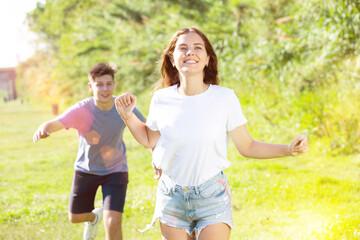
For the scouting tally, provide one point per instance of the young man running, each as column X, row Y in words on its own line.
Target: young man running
column 101, row 159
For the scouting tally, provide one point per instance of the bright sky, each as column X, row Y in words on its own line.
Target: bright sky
column 15, row 38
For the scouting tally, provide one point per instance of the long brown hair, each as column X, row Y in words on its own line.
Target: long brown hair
column 170, row 75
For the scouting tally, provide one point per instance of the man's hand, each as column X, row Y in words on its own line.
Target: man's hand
column 157, row 171
column 40, row 133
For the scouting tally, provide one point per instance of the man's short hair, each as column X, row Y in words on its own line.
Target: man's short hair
column 101, row 69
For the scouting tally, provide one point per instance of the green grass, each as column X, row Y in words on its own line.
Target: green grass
column 313, row 196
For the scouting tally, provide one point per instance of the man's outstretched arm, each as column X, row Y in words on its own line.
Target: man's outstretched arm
column 46, row 128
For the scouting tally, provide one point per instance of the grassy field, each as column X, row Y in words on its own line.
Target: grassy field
column 308, row 197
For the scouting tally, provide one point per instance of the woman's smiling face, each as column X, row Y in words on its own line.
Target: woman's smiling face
column 190, row 54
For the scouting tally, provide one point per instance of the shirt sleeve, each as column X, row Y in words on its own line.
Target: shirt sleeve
column 139, row 114
column 77, row 117
column 69, row 118
column 235, row 116
column 151, row 119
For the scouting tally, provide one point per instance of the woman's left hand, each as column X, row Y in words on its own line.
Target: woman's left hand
column 298, row 146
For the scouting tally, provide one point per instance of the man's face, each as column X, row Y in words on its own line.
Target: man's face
column 102, row 88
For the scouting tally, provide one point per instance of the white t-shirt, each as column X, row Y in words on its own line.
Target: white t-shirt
column 194, row 130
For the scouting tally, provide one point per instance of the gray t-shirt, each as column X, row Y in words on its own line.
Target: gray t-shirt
column 101, row 147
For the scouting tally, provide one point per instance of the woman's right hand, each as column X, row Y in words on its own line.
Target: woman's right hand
column 125, row 104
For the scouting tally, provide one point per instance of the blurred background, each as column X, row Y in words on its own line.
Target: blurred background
column 294, row 64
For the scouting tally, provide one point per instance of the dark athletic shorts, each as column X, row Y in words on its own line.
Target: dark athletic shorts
column 85, row 185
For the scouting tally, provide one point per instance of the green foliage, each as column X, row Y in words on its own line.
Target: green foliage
column 293, row 64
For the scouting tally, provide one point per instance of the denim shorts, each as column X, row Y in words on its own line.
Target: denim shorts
column 193, row 207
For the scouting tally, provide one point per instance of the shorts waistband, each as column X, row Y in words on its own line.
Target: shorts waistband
column 190, row 189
